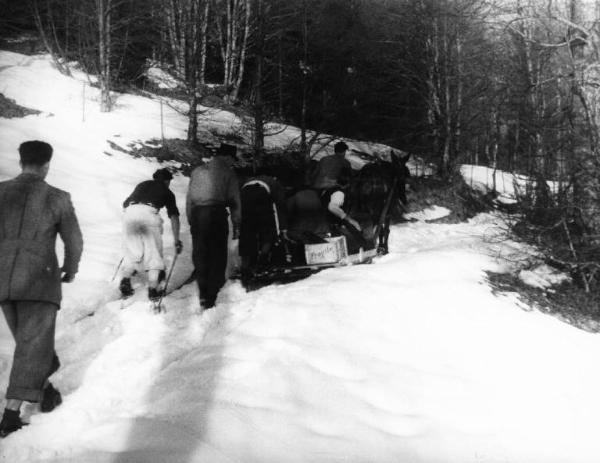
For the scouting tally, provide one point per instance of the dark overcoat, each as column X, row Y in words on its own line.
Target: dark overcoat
column 32, row 213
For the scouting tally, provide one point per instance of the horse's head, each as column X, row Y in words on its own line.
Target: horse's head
column 400, row 173
column 399, row 168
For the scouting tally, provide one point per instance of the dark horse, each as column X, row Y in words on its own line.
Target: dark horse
column 377, row 189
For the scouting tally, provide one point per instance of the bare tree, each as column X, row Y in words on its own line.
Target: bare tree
column 233, row 21
column 186, row 26
column 45, row 21
column 104, row 17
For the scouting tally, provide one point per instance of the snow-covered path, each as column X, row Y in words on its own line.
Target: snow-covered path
column 411, row 359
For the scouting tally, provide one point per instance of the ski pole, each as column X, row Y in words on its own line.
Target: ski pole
column 167, row 280
column 117, row 270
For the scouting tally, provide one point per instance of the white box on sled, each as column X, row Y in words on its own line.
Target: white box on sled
column 331, row 252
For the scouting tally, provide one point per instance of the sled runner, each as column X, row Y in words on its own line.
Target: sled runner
column 290, row 273
column 292, row 261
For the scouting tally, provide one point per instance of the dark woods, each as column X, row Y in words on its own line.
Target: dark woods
column 511, row 84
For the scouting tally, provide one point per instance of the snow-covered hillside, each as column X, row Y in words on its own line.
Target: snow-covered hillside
column 411, row 359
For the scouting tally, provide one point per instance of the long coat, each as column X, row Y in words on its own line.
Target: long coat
column 32, row 213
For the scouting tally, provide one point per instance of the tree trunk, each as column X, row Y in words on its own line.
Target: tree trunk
column 241, row 61
column 192, row 132
column 304, row 69
column 446, row 162
column 56, row 53
column 259, row 135
column 459, row 96
column 187, row 26
column 203, row 47
column 233, row 40
column 103, row 7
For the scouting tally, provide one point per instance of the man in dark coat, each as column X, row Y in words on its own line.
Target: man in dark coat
column 32, row 213
column 331, row 168
column 213, row 188
column 264, row 219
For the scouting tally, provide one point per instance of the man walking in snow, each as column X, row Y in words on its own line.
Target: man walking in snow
column 213, row 188
column 143, row 227
column 32, row 213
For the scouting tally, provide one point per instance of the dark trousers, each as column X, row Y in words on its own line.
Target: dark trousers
column 210, row 230
column 257, row 231
column 32, row 324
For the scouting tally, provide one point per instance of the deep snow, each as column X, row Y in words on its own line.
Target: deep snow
column 410, row 359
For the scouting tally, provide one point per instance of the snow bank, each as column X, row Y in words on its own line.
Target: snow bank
column 412, row 358
column 542, row 277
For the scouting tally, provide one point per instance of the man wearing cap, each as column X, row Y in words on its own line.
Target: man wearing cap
column 213, row 188
column 32, row 213
column 143, row 227
column 330, row 168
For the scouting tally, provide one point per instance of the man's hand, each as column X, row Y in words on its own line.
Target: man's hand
column 178, row 246
column 67, row 277
column 235, row 234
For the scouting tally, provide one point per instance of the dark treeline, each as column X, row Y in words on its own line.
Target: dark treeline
column 509, row 84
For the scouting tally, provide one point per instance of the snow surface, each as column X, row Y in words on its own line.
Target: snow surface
column 542, row 277
column 431, row 213
column 410, row 359
column 509, row 186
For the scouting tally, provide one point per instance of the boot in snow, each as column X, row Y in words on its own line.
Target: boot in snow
column 51, row 399
column 11, row 422
column 125, row 288
column 155, row 294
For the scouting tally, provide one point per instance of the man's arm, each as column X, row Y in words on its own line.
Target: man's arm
column 188, row 203
column 235, row 204
column 175, row 227
column 173, row 213
column 70, row 233
column 335, row 207
column 279, row 198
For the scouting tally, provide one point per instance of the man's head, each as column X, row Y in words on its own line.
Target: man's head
column 227, row 152
column 340, row 148
column 35, row 157
column 163, row 175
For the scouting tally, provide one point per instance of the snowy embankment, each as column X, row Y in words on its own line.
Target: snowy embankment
column 411, row 359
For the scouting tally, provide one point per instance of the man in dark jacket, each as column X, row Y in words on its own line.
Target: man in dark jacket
column 213, row 188
column 32, row 213
column 143, row 229
column 264, row 220
column 331, row 168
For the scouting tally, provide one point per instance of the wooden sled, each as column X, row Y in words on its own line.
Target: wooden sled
column 287, row 273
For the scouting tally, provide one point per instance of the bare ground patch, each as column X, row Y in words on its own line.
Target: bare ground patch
column 567, row 302
column 10, row 109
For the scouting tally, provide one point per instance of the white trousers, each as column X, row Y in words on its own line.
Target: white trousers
column 142, row 239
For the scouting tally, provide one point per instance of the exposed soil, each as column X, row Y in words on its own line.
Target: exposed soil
column 10, row 109
column 455, row 195
column 567, row 302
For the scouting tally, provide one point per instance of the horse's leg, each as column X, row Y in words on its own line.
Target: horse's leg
column 384, row 233
column 386, row 230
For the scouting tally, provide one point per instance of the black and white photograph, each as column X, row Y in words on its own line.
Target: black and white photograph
column 299, row 231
